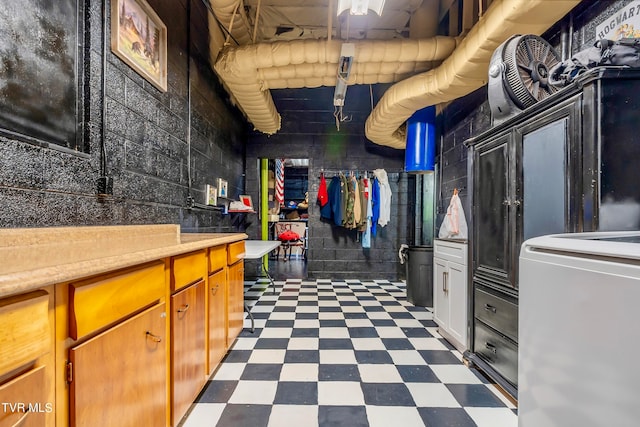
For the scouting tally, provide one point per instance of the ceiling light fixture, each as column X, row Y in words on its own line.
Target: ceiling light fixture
column 360, row 7
column 347, row 53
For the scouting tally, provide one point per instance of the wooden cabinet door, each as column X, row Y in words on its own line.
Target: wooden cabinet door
column 217, row 318
column 119, row 378
column 187, row 347
column 440, row 297
column 235, row 301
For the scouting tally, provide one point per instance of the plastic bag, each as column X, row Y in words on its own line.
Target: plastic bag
column 454, row 225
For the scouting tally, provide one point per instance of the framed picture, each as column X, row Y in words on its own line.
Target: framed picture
column 211, row 195
column 222, row 188
column 139, row 38
column 246, row 200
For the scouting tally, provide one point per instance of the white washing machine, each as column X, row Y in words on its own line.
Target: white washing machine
column 579, row 330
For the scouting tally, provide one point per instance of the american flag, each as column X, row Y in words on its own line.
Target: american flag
column 280, row 181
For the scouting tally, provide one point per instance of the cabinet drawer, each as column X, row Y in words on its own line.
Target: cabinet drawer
column 24, row 400
column 500, row 314
column 235, row 252
column 450, row 251
column 25, row 332
column 498, row 351
column 217, row 258
column 187, row 269
column 98, row 302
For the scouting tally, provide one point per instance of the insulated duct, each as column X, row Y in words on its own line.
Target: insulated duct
column 224, row 11
column 465, row 70
column 249, row 71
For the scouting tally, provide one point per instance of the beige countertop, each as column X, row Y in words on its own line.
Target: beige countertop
column 34, row 257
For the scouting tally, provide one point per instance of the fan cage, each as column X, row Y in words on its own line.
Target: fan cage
column 519, row 53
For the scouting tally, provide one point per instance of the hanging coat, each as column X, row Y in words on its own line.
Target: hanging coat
column 349, row 219
column 338, row 194
column 385, row 197
column 375, row 205
column 344, row 199
column 366, row 234
column 323, row 195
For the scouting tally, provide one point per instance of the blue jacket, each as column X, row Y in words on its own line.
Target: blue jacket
column 375, row 205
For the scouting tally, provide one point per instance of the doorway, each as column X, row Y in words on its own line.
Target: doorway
column 288, row 201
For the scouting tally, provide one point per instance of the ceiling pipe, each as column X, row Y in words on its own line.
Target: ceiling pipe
column 465, row 70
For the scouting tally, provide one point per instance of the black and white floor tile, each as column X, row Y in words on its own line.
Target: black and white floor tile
column 344, row 353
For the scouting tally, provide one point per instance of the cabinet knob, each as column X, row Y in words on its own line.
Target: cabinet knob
column 506, row 202
column 517, row 202
column 183, row 309
column 214, row 290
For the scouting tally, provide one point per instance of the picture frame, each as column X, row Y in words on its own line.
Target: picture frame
column 222, row 188
column 211, row 195
column 139, row 39
column 246, row 200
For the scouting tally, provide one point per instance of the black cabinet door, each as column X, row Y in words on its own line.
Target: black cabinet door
column 547, row 171
column 491, row 210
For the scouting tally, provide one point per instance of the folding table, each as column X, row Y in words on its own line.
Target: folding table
column 256, row 249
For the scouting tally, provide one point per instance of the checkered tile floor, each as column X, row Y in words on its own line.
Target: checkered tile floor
column 344, row 353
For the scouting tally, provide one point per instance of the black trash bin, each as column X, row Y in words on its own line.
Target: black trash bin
column 419, row 262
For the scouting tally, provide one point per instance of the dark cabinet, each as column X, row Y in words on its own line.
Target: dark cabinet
column 564, row 165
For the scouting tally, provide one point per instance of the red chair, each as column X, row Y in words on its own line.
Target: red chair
column 291, row 234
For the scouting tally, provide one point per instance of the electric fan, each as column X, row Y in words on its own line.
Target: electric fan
column 518, row 75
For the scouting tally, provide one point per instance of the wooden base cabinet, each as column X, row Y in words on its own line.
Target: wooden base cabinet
column 450, row 291
column 188, row 354
column 119, row 377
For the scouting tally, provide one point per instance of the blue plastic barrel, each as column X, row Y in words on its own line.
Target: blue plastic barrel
column 420, row 152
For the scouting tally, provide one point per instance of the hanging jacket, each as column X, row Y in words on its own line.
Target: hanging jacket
column 349, row 219
column 333, row 208
column 362, row 220
column 375, row 205
column 344, row 199
column 366, row 234
column 385, row 197
column 338, row 194
column 323, row 195
column 357, row 206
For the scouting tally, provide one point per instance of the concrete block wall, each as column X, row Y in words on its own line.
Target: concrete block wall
column 146, row 140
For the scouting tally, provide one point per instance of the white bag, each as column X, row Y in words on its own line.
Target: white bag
column 454, row 225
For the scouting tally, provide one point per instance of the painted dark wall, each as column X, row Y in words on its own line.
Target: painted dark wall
column 145, row 139
column 334, row 251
